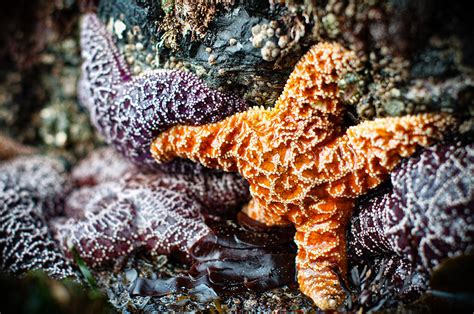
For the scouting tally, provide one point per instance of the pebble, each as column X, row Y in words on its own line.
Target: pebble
column 270, row 32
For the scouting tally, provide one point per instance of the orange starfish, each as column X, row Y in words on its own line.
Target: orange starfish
column 302, row 166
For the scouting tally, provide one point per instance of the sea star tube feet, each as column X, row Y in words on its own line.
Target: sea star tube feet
column 129, row 111
column 302, row 166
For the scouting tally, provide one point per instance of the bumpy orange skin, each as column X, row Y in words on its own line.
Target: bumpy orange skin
column 302, row 167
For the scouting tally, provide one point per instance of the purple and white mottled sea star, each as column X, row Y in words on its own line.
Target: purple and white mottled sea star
column 31, row 188
column 426, row 217
column 156, row 212
column 130, row 111
column 103, row 165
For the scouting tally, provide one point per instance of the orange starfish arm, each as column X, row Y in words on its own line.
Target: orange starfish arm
column 315, row 80
column 218, row 145
column 360, row 159
column 367, row 152
column 321, row 260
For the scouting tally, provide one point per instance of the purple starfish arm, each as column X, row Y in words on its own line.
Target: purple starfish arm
column 212, row 189
column 101, row 229
column 426, row 217
column 130, row 111
column 368, row 238
column 216, row 193
column 30, row 188
column 44, row 178
column 435, row 192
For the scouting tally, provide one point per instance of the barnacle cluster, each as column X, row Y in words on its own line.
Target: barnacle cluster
column 183, row 16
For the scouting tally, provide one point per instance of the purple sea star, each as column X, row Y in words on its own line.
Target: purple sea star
column 130, row 111
column 425, row 217
column 157, row 212
column 104, row 165
column 31, row 188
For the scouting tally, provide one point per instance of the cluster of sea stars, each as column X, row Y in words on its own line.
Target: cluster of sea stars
column 156, row 212
column 303, row 167
column 129, row 111
column 425, row 217
column 31, row 189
